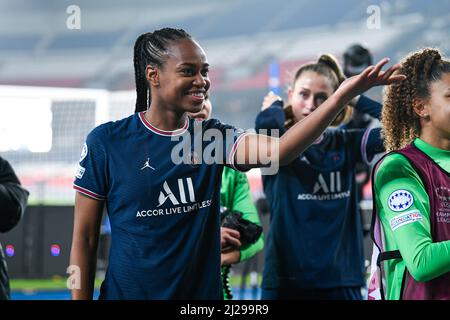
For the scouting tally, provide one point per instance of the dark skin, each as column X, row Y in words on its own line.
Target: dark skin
column 181, row 86
column 185, row 72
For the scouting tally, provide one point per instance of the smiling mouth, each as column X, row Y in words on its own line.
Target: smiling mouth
column 197, row 94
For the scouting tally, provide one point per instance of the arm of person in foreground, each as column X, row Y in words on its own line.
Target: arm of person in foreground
column 83, row 254
column 262, row 151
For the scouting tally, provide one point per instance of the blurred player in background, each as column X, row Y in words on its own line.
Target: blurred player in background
column 315, row 248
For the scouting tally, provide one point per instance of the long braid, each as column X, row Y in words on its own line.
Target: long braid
column 401, row 125
column 150, row 49
column 142, row 88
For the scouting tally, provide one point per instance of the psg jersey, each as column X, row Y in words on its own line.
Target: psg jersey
column 161, row 190
column 315, row 236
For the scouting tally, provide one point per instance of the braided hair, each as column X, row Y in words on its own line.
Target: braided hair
column 400, row 122
column 150, row 49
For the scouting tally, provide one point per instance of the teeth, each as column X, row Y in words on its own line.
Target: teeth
column 197, row 94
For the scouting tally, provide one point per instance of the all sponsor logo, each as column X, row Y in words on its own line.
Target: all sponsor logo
column 181, row 201
column 326, row 190
column 333, row 186
column 167, row 194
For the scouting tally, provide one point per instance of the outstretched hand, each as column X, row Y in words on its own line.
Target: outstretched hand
column 371, row 77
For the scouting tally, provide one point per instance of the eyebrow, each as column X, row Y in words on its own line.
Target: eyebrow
column 318, row 93
column 191, row 64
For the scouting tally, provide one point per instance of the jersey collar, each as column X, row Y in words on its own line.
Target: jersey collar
column 160, row 132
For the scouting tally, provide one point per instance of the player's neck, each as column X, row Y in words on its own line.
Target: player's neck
column 165, row 119
column 435, row 140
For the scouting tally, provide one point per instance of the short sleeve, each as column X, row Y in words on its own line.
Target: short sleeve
column 399, row 191
column 92, row 173
column 366, row 143
column 232, row 137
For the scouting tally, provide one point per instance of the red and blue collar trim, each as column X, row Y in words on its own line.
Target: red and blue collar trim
column 160, row 132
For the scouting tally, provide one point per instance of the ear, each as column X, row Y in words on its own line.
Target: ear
column 421, row 108
column 152, row 75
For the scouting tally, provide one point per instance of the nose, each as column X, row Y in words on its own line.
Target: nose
column 309, row 103
column 201, row 81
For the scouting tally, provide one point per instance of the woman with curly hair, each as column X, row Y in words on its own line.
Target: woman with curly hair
column 412, row 182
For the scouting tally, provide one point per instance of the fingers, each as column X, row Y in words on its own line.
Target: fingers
column 388, row 77
column 395, row 78
column 385, row 75
column 229, row 237
column 366, row 72
column 232, row 241
column 378, row 67
column 230, row 232
column 383, row 78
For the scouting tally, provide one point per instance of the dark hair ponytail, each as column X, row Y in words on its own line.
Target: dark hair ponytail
column 332, row 63
column 150, row 49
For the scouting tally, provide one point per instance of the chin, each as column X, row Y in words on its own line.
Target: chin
column 195, row 108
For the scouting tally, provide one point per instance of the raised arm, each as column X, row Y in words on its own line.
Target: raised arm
column 83, row 255
column 259, row 150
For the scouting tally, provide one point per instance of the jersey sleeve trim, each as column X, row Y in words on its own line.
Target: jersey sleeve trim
column 89, row 193
column 364, row 140
column 234, row 150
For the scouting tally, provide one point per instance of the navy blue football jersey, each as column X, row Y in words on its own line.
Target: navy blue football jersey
column 315, row 235
column 164, row 215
